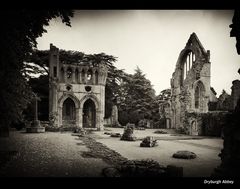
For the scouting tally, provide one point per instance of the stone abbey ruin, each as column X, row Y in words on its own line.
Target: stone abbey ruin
column 77, row 94
column 193, row 106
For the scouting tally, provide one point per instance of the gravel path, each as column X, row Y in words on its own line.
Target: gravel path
column 50, row 155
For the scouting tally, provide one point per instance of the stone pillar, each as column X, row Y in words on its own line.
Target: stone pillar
column 77, row 117
column 80, row 113
column 192, row 59
column 85, row 75
column 93, row 76
column 186, row 69
column 114, row 116
column 36, row 126
column 189, row 61
column 36, row 109
column 80, row 75
column 59, row 117
column 73, row 74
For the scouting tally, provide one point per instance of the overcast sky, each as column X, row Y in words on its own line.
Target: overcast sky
column 151, row 39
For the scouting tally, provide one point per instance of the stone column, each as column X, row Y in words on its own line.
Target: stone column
column 80, row 113
column 36, row 109
column 85, row 75
column 35, row 127
column 77, row 117
column 93, row 76
column 114, row 116
column 73, row 74
column 80, row 75
column 36, row 122
column 59, row 117
column 189, row 61
column 186, row 68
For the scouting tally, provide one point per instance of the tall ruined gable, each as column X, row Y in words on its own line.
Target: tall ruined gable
column 190, row 61
column 190, row 83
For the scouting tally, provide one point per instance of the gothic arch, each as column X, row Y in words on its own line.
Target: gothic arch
column 199, row 94
column 71, row 96
column 187, row 58
column 92, row 97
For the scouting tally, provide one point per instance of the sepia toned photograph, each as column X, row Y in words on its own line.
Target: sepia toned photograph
column 120, row 93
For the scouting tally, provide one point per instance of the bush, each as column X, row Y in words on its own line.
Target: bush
column 52, row 128
column 181, row 130
column 19, row 126
column 160, row 132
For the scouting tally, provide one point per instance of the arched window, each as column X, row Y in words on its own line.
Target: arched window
column 69, row 111
column 187, row 63
column 89, row 114
column 199, row 95
column 69, row 73
column 89, row 76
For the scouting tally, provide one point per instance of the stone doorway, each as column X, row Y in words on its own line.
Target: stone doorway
column 69, row 112
column 89, row 114
column 194, row 128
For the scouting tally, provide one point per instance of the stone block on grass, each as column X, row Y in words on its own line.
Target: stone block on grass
column 148, row 141
column 184, row 155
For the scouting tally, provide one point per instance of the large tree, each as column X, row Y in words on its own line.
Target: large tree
column 137, row 99
column 19, row 31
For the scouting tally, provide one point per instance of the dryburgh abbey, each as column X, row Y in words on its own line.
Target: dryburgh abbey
column 77, row 93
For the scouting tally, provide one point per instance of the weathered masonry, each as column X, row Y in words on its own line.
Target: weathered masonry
column 190, row 88
column 76, row 92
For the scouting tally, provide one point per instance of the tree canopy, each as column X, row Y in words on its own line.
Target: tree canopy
column 137, row 99
column 133, row 94
column 18, row 37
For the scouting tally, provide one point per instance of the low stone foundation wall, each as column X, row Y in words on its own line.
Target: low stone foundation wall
column 208, row 124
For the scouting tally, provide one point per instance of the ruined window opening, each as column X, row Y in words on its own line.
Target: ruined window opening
column 89, row 75
column 69, row 73
column 69, row 111
column 187, row 65
column 54, row 71
column 76, row 75
column 197, row 97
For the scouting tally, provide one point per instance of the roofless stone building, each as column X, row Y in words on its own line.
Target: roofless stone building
column 76, row 92
column 190, row 89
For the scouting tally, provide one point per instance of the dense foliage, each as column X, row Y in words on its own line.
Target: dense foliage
column 18, row 37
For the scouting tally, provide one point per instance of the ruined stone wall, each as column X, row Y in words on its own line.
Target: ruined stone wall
column 190, row 84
